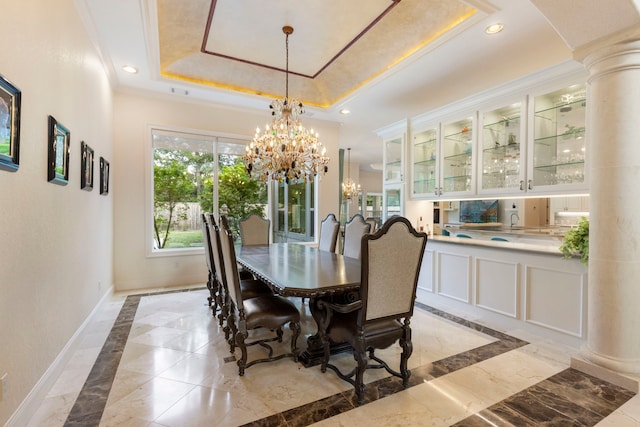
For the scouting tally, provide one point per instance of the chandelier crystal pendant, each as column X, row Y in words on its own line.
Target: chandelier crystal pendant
column 286, row 151
column 350, row 189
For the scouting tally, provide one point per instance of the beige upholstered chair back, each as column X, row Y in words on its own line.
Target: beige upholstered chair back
column 329, row 233
column 216, row 250
column 373, row 223
column 230, row 265
column 353, row 232
column 391, row 262
column 254, row 230
column 206, row 242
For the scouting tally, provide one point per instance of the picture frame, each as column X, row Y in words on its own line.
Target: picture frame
column 86, row 167
column 58, row 163
column 104, row 176
column 10, row 104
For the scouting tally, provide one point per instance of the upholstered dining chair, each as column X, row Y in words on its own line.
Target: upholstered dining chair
column 254, row 230
column 374, row 224
column 249, row 286
column 354, row 229
column 329, row 228
column 382, row 315
column 212, row 284
column 264, row 311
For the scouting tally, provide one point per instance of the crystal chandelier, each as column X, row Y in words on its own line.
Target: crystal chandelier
column 286, row 151
column 350, row 189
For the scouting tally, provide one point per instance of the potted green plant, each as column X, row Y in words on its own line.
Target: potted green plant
column 576, row 242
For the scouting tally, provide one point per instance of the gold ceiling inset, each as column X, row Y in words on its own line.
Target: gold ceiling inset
column 341, row 46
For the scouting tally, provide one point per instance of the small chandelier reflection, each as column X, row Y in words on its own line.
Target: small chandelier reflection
column 286, row 151
column 350, row 189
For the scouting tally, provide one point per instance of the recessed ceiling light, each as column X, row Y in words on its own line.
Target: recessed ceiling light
column 130, row 69
column 345, row 111
column 494, row 28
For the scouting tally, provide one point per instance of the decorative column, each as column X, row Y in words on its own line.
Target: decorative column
column 613, row 125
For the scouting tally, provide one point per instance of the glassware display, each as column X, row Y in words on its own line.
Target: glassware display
column 457, row 147
column 425, row 178
column 501, row 152
column 393, row 160
column 558, row 140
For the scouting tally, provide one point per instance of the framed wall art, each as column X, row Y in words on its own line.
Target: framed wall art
column 10, row 99
column 86, row 167
column 59, row 141
column 104, row 176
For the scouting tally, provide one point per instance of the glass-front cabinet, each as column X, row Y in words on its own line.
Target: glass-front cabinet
column 457, row 158
column 502, row 145
column 393, row 159
column 425, row 162
column 392, row 201
column 557, row 151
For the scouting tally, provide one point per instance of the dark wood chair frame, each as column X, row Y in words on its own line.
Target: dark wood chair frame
column 262, row 311
column 373, row 333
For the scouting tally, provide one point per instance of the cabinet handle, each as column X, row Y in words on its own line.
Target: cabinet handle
column 529, row 185
column 521, row 185
column 440, row 191
column 436, row 191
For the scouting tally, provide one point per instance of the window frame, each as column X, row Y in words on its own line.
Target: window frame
column 216, row 139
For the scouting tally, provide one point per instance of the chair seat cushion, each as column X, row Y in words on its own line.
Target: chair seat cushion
column 381, row 333
column 252, row 288
column 269, row 311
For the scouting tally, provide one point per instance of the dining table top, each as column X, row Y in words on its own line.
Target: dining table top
column 299, row 270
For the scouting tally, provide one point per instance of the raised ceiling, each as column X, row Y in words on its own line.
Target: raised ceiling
column 337, row 46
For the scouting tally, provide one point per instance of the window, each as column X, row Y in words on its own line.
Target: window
column 294, row 212
column 196, row 173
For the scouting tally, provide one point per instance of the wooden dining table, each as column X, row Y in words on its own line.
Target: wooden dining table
column 298, row 270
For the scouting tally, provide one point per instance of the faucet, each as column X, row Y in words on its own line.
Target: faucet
column 517, row 218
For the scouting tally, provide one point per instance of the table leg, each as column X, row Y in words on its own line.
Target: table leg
column 312, row 356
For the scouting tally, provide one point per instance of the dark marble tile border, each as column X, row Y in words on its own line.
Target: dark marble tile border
column 569, row 398
column 89, row 405
column 342, row 402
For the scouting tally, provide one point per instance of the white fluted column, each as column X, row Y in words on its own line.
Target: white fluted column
column 613, row 125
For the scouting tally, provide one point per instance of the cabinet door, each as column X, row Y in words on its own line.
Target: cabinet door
column 392, row 201
column 425, row 165
column 501, row 167
column 457, row 160
column 393, row 159
column 557, row 153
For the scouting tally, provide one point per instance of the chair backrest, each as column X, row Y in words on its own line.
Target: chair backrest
column 230, row 263
column 254, row 230
column 206, row 242
column 374, row 224
column 216, row 250
column 329, row 228
column 391, row 260
column 353, row 232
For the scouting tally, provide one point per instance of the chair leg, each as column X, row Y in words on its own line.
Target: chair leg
column 279, row 334
column 360, row 354
column 295, row 333
column 242, row 362
column 407, row 349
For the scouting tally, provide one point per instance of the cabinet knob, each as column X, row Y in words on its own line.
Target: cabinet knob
column 529, row 187
column 521, row 185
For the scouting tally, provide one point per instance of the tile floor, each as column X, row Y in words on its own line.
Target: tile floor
column 160, row 359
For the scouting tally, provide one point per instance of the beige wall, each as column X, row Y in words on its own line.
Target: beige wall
column 134, row 114
column 55, row 241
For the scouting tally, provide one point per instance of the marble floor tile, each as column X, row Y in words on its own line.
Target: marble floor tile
column 174, row 368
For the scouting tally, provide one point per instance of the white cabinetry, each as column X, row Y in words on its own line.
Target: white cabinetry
column 502, row 165
column 531, row 142
column 443, row 158
column 394, row 143
column 557, row 141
